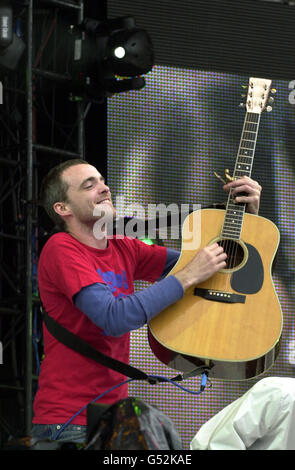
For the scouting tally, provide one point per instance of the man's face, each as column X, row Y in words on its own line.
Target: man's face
column 87, row 194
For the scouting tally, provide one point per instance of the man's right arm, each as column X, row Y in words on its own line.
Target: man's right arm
column 117, row 316
column 207, row 262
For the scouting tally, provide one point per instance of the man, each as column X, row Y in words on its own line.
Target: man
column 86, row 284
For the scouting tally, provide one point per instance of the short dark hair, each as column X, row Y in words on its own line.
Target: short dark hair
column 54, row 189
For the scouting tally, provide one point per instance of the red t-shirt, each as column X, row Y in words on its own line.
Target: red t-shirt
column 68, row 380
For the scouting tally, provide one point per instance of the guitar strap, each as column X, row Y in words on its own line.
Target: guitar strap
column 73, row 341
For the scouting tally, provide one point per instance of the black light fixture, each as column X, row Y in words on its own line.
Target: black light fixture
column 109, row 57
column 11, row 45
column 129, row 50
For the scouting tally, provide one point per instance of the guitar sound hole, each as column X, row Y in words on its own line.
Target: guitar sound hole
column 234, row 251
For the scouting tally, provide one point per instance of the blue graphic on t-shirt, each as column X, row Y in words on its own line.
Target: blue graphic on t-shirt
column 114, row 281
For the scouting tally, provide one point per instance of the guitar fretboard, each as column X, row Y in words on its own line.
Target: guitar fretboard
column 234, row 216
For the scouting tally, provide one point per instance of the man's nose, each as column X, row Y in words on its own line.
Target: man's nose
column 104, row 188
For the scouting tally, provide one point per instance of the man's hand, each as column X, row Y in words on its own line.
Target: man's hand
column 249, row 186
column 208, row 261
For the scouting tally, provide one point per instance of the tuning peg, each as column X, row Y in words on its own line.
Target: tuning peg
column 244, row 86
column 243, row 95
column 242, row 105
column 269, row 109
column 273, row 91
column 271, row 99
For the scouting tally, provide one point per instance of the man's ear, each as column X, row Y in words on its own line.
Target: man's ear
column 61, row 208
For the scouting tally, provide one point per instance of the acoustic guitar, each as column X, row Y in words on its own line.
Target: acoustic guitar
column 231, row 324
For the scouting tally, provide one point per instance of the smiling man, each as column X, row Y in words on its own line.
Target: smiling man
column 87, row 199
column 86, row 284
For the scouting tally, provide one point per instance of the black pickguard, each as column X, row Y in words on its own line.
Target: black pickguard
column 249, row 279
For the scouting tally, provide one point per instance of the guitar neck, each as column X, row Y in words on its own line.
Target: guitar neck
column 247, row 145
column 233, row 220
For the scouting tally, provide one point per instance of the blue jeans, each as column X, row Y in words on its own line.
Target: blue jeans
column 71, row 433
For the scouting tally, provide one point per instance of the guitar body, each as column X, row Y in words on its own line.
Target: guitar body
column 232, row 322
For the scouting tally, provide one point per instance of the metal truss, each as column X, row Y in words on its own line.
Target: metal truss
column 35, row 135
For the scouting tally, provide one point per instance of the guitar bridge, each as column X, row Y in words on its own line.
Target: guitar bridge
column 219, row 296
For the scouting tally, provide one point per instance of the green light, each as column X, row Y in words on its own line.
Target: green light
column 147, row 241
column 136, row 407
column 152, row 241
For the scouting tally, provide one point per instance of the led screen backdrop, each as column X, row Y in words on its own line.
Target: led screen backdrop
column 164, row 144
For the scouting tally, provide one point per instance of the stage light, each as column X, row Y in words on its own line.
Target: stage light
column 11, row 45
column 119, row 52
column 109, row 57
column 137, row 56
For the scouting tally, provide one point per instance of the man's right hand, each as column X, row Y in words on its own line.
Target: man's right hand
column 206, row 263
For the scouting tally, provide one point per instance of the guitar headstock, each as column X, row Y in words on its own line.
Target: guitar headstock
column 258, row 93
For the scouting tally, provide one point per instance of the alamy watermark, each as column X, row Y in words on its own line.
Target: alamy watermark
column 158, row 221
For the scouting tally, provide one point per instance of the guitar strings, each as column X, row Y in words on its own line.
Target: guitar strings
column 231, row 247
column 247, row 127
